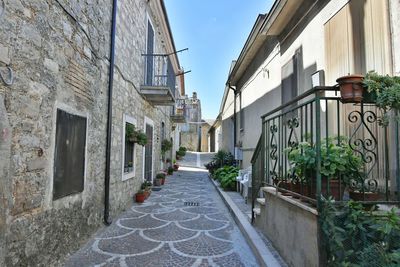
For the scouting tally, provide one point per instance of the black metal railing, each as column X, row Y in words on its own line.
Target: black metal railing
column 298, row 148
column 159, row 72
column 257, row 173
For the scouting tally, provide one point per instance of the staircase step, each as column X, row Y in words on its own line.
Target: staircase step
column 261, row 200
column 257, row 211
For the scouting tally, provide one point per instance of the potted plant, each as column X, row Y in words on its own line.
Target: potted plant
column 165, row 146
column 130, row 166
column 135, row 136
column 146, row 187
column 385, row 90
column 159, row 179
column 170, row 170
column 351, row 88
column 176, row 166
column 339, row 164
column 140, row 196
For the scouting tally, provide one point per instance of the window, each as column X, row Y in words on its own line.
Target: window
column 149, row 52
column 129, row 148
column 357, row 40
column 69, row 154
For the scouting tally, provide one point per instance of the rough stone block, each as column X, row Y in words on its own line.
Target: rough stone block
column 36, row 164
column 4, row 54
column 51, row 65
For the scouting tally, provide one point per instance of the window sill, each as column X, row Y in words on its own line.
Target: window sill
column 129, row 175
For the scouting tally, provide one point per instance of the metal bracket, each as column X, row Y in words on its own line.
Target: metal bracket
column 10, row 80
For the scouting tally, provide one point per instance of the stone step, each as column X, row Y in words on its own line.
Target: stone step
column 261, row 200
column 257, row 211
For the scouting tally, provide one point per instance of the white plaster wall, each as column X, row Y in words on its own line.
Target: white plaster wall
column 394, row 6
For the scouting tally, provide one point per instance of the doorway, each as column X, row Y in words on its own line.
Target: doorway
column 148, row 151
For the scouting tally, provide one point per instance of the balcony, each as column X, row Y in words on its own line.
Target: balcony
column 178, row 113
column 314, row 127
column 159, row 82
column 314, row 155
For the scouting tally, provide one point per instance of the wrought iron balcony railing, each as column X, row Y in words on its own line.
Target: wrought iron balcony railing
column 306, row 143
column 178, row 112
column 159, row 80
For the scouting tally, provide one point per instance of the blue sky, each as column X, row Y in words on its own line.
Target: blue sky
column 215, row 32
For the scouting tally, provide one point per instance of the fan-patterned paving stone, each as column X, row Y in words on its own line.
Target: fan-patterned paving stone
column 203, row 246
column 86, row 257
column 149, row 208
column 132, row 214
column 224, row 233
column 229, row 261
column 164, row 199
column 177, row 215
column 164, row 231
column 205, row 263
column 130, row 244
column 203, row 223
column 113, row 231
column 164, row 257
column 144, row 222
column 175, row 204
column 171, row 232
column 217, row 217
column 114, row 263
column 201, row 210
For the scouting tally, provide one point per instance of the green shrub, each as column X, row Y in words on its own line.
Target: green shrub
column 355, row 237
column 226, row 176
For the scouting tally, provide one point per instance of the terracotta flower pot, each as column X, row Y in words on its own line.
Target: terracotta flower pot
column 351, row 88
column 368, row 196
column 163, row 181
column 158, row 182
column 336, row 189
column 140, row 197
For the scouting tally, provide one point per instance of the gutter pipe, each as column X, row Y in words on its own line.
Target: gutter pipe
column 107, row 220
column 234, row 115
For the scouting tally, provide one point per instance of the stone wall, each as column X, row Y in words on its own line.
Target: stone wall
column 129, row 75
column 59, row 53
column 5, row 140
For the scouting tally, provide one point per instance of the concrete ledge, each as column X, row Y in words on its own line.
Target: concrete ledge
column 289, row 199
column 262, row 253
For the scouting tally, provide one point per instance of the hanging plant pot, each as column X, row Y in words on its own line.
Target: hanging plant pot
column 351, row 88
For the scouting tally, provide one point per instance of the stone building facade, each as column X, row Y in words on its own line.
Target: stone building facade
column 191, row 131
column 59, row 52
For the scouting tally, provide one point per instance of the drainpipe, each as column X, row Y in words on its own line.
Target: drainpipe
column 107, row 220
column 234, row 115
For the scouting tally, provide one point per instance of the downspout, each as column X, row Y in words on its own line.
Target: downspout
column 107, row 220
column 234, row 115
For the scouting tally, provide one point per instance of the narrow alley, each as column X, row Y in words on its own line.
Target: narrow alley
column 183, row 224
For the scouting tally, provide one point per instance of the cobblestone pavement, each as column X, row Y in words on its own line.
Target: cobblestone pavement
column 184, row 224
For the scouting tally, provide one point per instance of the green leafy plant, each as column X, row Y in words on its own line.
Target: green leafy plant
column 160, row 175
column 387, row 90
column 226, row 176
column 165, row 146
column 135, row 136
column 170, row 170
column 338, row 160
column 355, row 237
